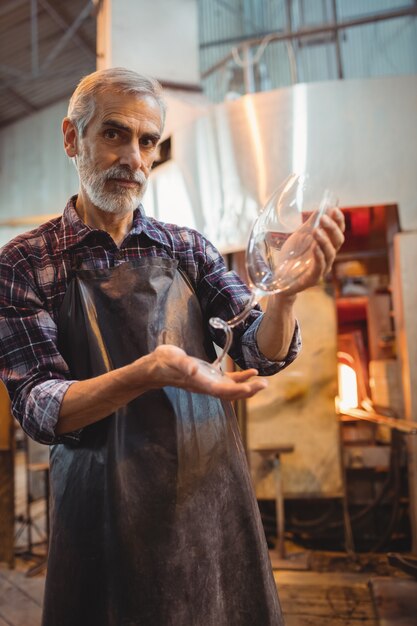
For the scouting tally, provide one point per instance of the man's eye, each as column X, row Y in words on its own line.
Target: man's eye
column 111, row 133
column 147, row 142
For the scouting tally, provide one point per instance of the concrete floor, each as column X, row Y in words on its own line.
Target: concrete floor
column 334, row 593
column 308, row 598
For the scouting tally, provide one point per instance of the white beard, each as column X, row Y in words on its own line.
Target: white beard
column 124, row 200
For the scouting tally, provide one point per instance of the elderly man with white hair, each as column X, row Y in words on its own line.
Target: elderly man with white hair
column 103, row 312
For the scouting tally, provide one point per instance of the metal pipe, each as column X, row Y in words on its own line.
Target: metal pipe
column 248, row 74
column 362, row 254
column 68, row 34
column 12, row 71
column 337, row 43
column 34, row 37
column 412, row 488
column 25, row 103
column 14, row 82
column 404, row 426
column 12, row 5
column 61, row 22
column 303, row 32
column 292, row 59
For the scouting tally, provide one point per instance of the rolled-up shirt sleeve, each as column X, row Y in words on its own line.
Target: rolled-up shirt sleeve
column 253, row 357
column 41, row 412
column 31, row 367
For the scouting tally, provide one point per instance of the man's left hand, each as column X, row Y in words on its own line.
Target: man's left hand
column 328, row 237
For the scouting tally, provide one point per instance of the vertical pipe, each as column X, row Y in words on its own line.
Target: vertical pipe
column 412, row 487
column 248, row 75
column 290, row 44
column 347, row 526
column 279, row 506
column 288, row 15
column 404, row 297
column 104, row 40
column 34, row 35
column 28, row 497
column 337, row 42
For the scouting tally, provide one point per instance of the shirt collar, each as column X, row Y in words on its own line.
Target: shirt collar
column 73, row 230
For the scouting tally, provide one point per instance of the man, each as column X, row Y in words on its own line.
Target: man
column 104, row 312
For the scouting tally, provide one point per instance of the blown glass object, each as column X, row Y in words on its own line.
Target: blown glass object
column 280, row 250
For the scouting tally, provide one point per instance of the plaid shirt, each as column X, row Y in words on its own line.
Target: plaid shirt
column 35, row 272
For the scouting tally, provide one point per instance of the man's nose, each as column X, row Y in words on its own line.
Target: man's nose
column 131, row 156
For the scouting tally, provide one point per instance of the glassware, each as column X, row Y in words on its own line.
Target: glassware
column 280, row 250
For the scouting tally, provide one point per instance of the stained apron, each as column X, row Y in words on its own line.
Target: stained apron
column 153, row 517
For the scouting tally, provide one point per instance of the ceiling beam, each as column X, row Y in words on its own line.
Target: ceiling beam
column 27, row 78
column 63, row 20
column 70, row 32
column 15, row 118
column 34, row 37
column 31, row 108
column 11, row 71
column 12, row 5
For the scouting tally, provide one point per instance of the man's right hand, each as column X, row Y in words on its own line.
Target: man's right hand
column 88, row 401
column 171, row 366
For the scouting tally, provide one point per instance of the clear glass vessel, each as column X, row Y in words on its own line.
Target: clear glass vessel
column 280, row 250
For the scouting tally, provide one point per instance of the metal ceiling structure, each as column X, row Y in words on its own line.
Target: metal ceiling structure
column 252, row 45
column 46, row 46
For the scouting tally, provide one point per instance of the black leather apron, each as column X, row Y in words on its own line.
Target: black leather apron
column 153, row 517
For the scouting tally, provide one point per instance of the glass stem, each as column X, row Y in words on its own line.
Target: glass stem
column 226, row 327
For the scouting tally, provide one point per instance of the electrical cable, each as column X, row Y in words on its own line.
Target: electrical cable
column 318, row 521
column 396, row 447
column 393, row 481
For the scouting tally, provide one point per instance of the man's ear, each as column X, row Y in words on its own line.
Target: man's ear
column 70, row 137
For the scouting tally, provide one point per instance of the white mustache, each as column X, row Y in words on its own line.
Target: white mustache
column 125, row 174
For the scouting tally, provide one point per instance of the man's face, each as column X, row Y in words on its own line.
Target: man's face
column 115, row 156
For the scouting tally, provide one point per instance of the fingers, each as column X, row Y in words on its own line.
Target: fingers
column 322, row 264
column 334, row 226
column 329, row 236
column 232, row 390
column 232, row 386
column 325, row 251
column 337, row 215
column 242, row 376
